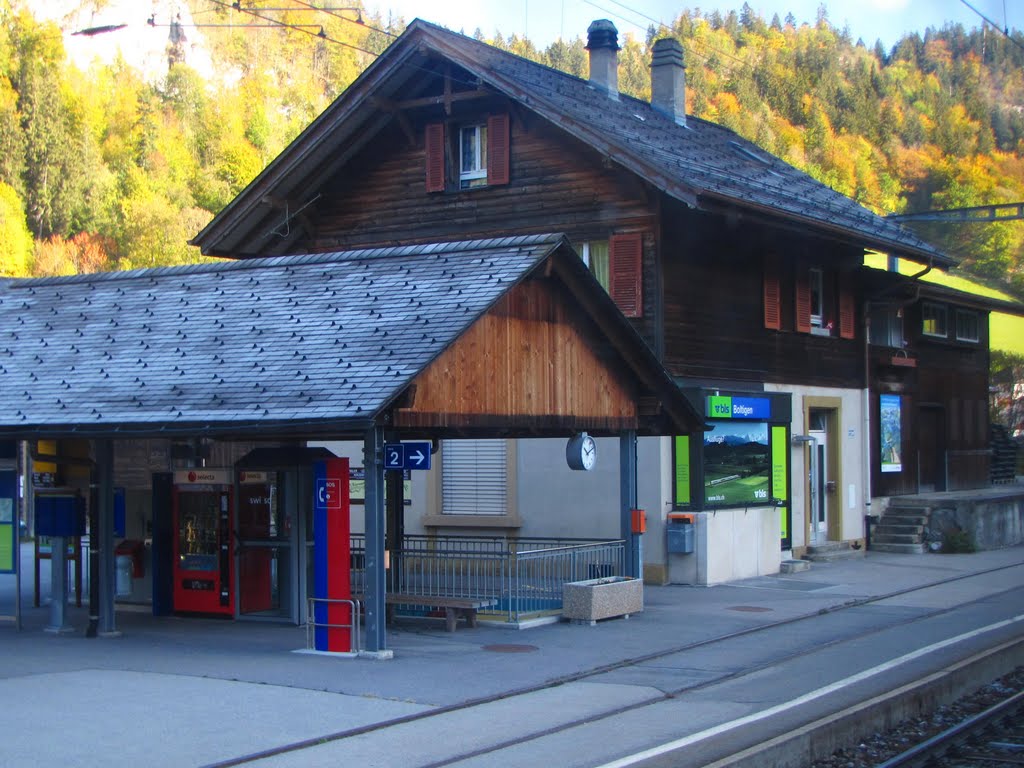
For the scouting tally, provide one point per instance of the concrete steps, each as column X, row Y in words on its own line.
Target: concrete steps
column 900, row 530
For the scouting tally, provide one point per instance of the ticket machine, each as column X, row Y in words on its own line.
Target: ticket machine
column 203, row 564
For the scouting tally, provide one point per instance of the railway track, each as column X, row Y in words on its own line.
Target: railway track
column 495, row 748
column 993, row 737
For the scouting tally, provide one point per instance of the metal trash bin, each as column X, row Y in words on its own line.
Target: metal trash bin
column 680, row 533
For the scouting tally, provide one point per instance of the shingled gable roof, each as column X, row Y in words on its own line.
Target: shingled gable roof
column 302, row 345
column 702, row 164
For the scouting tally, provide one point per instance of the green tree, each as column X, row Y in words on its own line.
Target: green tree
column 15, row 238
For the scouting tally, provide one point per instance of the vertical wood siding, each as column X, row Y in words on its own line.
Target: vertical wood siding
column 525, row 361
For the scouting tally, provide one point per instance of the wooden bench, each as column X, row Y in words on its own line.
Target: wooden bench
column 454, row 607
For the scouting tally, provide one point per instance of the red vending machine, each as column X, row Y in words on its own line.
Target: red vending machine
column 203, row 564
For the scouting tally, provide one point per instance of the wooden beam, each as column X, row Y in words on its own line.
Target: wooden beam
column 446, row 99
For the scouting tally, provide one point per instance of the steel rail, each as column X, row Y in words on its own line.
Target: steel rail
column 942, row 743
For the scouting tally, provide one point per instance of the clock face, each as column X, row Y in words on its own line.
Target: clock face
column 588, row 452
column 581, row 452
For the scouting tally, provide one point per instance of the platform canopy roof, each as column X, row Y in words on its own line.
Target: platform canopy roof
column 308, row 345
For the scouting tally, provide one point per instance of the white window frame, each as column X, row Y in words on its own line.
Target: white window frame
column 966, row 314
column 476, row 175
column 816, row 287
column 939, row 311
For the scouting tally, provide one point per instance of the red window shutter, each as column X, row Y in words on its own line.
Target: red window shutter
column 847, row 313
column 497, row 149
column 625, row 256
column 803, row 302
column 772, row 297
column 434, row 146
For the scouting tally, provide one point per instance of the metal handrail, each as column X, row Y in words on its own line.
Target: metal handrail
column 353, row 626
column 523, row 575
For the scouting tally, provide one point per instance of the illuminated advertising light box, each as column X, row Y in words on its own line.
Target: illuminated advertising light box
column 737, row 464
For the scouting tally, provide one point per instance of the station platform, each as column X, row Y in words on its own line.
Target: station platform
column 173, row 691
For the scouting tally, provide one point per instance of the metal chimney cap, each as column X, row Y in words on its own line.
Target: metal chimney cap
column 602, row 34
column 667, row 50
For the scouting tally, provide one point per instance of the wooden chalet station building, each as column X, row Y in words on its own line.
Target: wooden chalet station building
column 474, row 251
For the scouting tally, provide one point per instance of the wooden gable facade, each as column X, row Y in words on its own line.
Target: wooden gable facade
column 530, row 356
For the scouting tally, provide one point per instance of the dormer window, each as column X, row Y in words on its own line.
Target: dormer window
column 473, row 156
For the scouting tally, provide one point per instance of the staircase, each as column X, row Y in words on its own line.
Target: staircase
column 830, row 551
column 900, row 530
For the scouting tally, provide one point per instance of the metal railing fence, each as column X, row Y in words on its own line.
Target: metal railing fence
column 523, row 575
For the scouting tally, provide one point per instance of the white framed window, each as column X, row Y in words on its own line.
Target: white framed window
column 473, row 155
column 817, row 285
column 934, row 320
column 887, row 326
column 595, row 255
column 968, row 326
column 474, row 477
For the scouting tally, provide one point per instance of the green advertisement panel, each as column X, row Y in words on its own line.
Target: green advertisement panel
column 682, row 461
column 780, row 478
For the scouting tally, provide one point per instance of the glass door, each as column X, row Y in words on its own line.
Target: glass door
column 265, row 548
column 818, row 475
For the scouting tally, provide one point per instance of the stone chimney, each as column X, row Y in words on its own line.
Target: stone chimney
column 668, row 79
column 603, row 44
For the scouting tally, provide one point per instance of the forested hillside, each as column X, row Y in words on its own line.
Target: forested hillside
column 100, row 169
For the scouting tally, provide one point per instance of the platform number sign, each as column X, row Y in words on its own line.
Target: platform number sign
column 407, row 455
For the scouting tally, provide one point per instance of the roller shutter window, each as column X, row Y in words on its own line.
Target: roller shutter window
column 625, row 254
column 498, row 149
column 847, row 313
column 803, row 301
column 474, row 477
column 434, row 150
column 772, row 296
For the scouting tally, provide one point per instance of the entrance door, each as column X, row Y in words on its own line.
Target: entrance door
column 931, row 450
column 202, row 550
column 265, row 550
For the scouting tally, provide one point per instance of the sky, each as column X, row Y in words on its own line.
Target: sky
column 544, row 21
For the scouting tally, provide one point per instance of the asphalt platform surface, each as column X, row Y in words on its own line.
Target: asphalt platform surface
column 174, row 691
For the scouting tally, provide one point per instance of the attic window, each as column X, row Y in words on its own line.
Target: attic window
column 473, row 155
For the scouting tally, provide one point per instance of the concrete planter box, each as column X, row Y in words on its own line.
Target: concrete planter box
column 595, row 599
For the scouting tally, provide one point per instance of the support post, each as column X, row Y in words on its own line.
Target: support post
column 104, row 450
column 58, row 587
column 374, row 591
column 633, row 565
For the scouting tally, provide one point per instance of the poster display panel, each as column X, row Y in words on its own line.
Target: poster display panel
column 891, row 433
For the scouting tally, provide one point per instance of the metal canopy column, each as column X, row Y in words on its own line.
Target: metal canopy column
column 628, row 494
column 104, row 454
column 374, row 594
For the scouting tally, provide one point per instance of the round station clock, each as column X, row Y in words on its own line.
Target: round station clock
column 581, row 452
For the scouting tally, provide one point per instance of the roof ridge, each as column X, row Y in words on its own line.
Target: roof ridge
column 299, row 259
